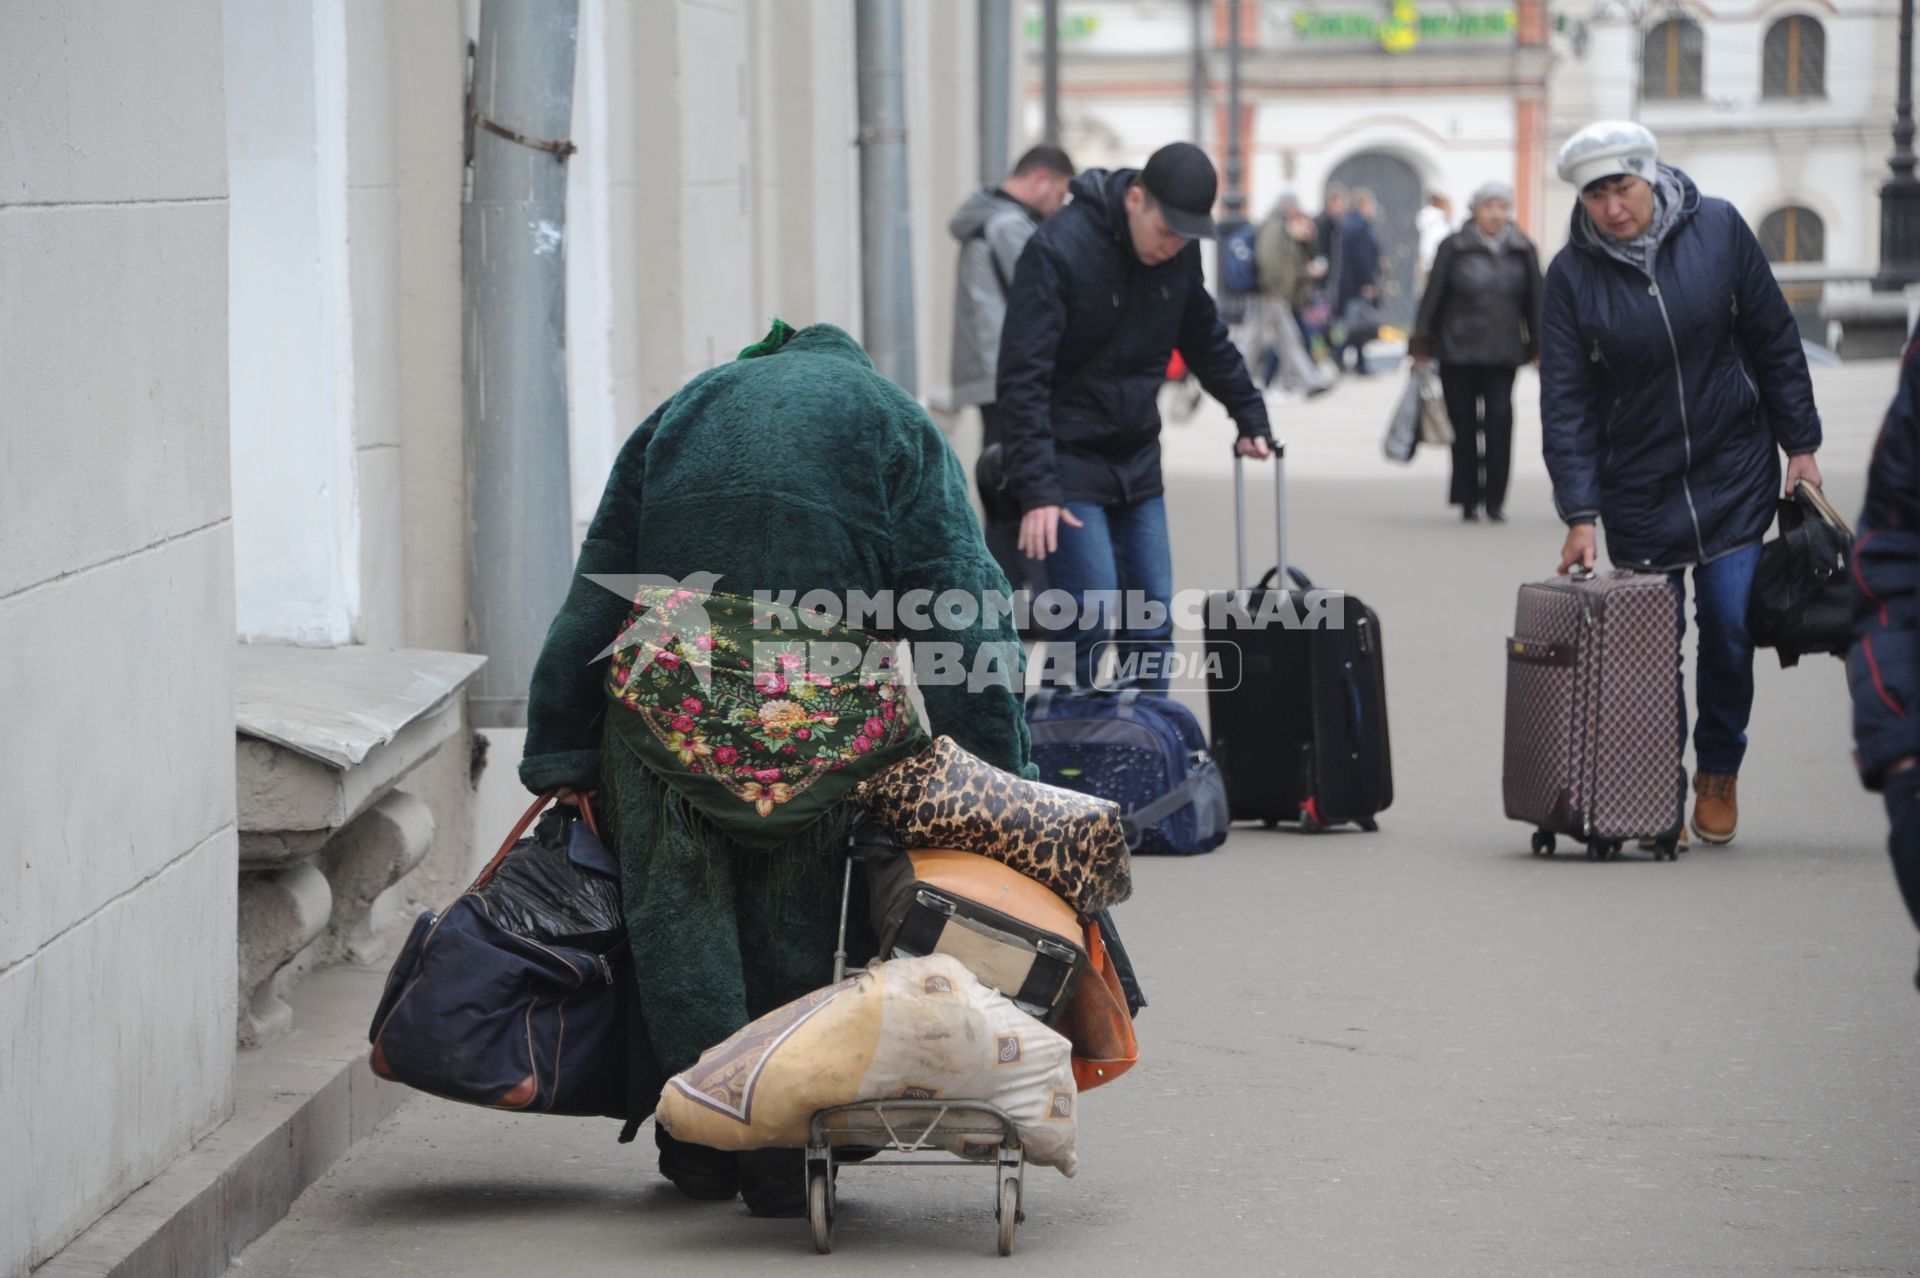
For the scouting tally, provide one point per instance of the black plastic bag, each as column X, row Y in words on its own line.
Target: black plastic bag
column 558, row 886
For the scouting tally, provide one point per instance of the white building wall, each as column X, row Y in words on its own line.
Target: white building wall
column 117, row 960
column 1453, row 141
column 296, row 527
column 1826, row 153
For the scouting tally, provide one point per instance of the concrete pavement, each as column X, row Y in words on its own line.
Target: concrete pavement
column 1418, row 1051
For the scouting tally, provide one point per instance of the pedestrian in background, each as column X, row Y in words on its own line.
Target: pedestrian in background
column 1357, row 281
column 1671, row 377
column 1326, row 226
column 1286, row 286
column 1433, row 224
column 1102, row 296
column 992, row 226
column 1480, row 318
column 1884, row 667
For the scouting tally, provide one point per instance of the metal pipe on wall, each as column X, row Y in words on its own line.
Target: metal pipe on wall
column 1050, row 71
column 513, row 268
column 996, row 88
column 886, row 236
column 1197, row 133
column 1236, row 198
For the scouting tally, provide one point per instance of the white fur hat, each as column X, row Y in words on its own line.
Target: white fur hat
column 1606, row 148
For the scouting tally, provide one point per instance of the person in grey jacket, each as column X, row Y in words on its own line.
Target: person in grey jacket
column 992, row 227
column 1480, row 317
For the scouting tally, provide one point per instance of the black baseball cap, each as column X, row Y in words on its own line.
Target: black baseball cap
column 1180, row 177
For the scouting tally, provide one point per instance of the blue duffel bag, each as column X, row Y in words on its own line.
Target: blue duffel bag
column 512, row 998
column 1143, row 751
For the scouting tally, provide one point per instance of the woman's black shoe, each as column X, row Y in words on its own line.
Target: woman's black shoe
column 773, row 1182
column 698, row 1171
column 1496, row 514
column 1469, row 515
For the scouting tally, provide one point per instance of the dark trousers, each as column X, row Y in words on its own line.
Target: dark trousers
column 1480, row 405
column 1003, row 535
column 1902, row 793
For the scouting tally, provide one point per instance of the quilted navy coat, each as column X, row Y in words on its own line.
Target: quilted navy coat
column 1884, row 667
column 1663, row 396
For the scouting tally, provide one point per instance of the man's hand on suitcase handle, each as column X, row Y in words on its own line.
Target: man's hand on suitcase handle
column 1579, row 549
column 1258, row 447
column 1040, row 530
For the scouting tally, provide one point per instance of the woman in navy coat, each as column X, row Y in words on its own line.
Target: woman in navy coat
column 1672, row 378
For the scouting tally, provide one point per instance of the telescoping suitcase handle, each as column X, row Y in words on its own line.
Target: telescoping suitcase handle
column 1279, row 520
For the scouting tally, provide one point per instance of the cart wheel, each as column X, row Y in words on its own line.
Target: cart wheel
column 1543, row 843
column 1368, row 824
column 1270, row 823
column 1666, row 850
column 820, row 1209
column 1009, row 1213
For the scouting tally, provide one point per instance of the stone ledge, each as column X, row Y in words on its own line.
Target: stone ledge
column 299, row 1104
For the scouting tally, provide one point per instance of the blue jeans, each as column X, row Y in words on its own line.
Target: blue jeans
column 1725, row 668
column 1124, row 549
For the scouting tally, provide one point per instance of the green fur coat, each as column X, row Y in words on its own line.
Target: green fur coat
column 795, row 468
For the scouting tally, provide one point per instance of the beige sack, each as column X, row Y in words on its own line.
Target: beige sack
column 920, row 1027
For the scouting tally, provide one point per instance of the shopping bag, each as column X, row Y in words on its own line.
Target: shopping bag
column 1435, row 426
column 1403, row 428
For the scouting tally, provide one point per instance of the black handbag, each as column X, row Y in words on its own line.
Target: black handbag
column 1802, row 602
column 513, row 997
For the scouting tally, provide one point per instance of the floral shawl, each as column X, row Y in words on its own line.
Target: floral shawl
column 761, row 728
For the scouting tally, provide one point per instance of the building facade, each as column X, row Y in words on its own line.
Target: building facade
column 1406, row 99
column 1780, row 106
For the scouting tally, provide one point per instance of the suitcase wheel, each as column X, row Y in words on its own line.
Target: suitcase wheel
column 1310, row 817
column 1270, row 823
column 1368, row 824
column 1543, row 843
column 1667, row 849
column 1604, row 850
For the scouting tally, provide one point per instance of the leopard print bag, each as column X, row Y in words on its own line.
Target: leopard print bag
column 944, row 797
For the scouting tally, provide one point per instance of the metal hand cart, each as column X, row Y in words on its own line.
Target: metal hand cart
column 908, row 1126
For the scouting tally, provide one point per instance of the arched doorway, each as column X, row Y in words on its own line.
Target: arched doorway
column 1398, row 189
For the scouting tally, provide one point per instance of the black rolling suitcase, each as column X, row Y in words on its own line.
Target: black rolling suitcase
column 1296, row 692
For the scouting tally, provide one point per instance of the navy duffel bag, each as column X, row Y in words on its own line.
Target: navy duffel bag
column 1143, row 751
column 512, row 998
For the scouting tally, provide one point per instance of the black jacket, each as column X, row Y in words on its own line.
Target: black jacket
column 1663, row 397
column 1359, row 260
column 1084, row 352
column 1480, row 307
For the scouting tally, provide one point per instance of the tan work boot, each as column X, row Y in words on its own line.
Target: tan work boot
column 1715, row 809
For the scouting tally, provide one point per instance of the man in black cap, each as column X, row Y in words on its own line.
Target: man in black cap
column 1104, row 292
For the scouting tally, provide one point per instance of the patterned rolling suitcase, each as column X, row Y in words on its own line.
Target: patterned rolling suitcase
column 1011, row 932
column 1593, row 713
